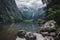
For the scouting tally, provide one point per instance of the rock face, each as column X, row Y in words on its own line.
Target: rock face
column 9, row 10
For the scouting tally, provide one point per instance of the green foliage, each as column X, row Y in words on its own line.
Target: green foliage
column 53, row 11
column 28, row 21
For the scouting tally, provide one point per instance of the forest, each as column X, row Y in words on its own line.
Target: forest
column 53, row 11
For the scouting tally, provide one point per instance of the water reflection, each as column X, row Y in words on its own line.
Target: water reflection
column 25, row 26
column 9, row 30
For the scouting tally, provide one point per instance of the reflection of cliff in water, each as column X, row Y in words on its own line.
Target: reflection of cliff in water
column 9, row 31
column 25, row 26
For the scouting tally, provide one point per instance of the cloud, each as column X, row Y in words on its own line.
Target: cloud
column 30, row 3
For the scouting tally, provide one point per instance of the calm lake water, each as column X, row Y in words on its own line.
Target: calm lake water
column 32, row 26
column 9, row 30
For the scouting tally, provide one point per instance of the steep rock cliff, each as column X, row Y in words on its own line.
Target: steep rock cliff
column 9, row 11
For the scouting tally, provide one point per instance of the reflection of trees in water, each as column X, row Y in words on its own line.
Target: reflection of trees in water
column 1, row 27
column 1, row 22
column 8, row 32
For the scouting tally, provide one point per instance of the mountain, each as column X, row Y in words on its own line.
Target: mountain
column 9, row 11
column 32, row 9
column 30, row 13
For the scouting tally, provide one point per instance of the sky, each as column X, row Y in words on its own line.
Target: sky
column 30, row 3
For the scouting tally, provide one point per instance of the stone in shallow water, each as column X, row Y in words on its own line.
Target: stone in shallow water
column 30, row 36
column 39, row 37
column 20, row 38
column 21, row 33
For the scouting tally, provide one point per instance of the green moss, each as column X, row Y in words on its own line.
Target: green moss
column 28, row 21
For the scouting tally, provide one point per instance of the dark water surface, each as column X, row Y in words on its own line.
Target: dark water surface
column 32, row 26
column 9, row 31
